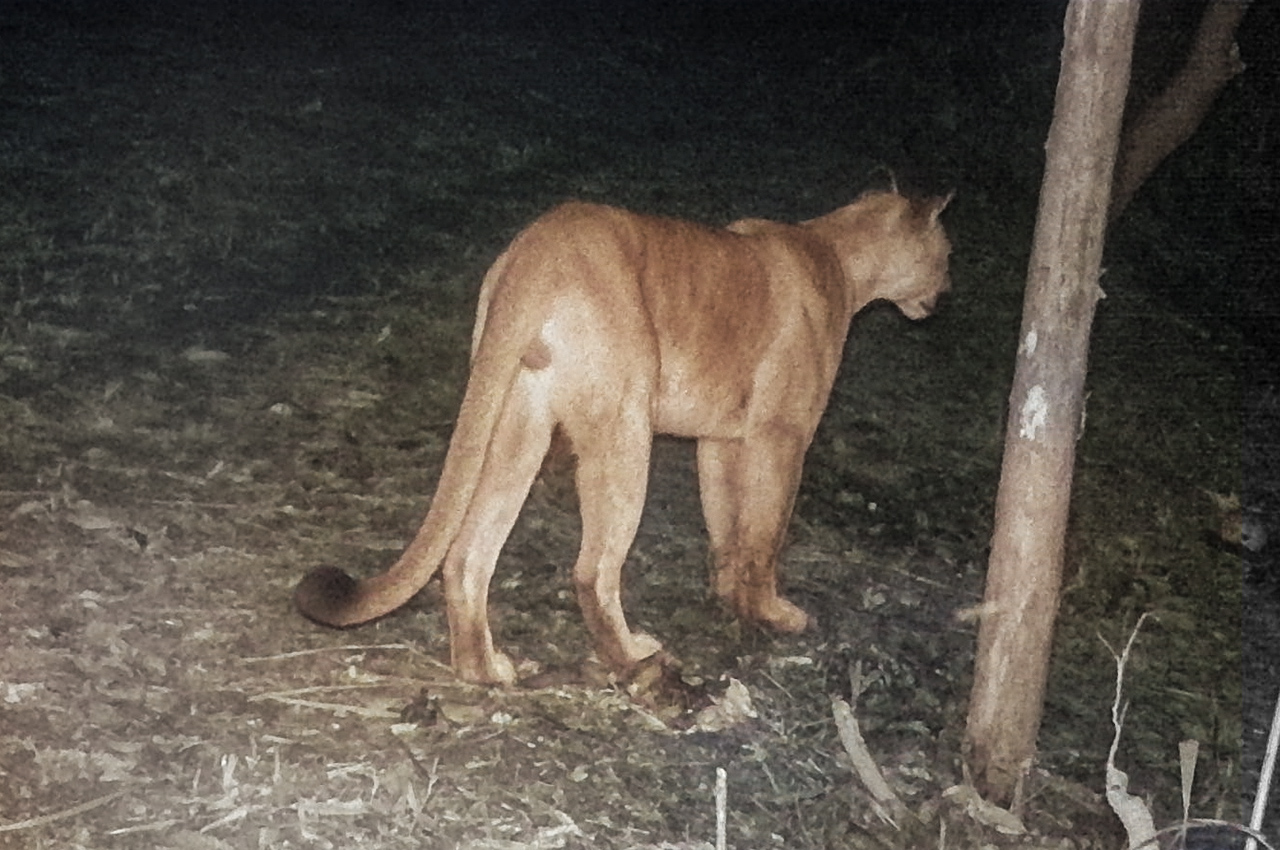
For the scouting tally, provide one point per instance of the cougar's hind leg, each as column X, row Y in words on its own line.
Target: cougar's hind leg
column 613, row 469
column 519, row 444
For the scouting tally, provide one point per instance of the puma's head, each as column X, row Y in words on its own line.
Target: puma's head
column 915, row 266
column 892, row 249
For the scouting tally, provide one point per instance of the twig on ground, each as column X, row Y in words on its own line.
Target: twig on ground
column 346, row 648
column 887, row 804
column 722, row 794
column 1261, row 796
column 62, row 815
column 1133, row 813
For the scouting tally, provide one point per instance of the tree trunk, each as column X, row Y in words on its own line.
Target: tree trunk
column 1046, row 402
column 1173, row 115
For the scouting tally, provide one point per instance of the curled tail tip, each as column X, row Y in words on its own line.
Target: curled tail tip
column 327, row 596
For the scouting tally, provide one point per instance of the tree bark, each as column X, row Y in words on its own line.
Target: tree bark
column 1173, row 115
column 1046, row 402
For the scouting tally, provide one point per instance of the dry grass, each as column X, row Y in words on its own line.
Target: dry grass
column 234, row 273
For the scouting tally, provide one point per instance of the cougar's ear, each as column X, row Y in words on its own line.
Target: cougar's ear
column 937, row 205
column 877, row 177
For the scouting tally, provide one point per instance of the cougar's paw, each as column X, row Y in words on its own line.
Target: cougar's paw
column 323, row 595
column 494, row 669
column 642, row 646
column 501, row 671
column 622, row 652
column 783, row 616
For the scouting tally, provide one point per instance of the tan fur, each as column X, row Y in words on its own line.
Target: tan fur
column 610, row 327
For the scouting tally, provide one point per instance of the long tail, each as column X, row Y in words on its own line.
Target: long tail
column 328, row 595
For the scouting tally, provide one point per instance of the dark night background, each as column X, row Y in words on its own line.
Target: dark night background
column 280, row 182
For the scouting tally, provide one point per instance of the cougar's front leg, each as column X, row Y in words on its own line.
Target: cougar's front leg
column 748, row 488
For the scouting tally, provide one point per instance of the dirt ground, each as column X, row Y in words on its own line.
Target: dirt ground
column 238, row 255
